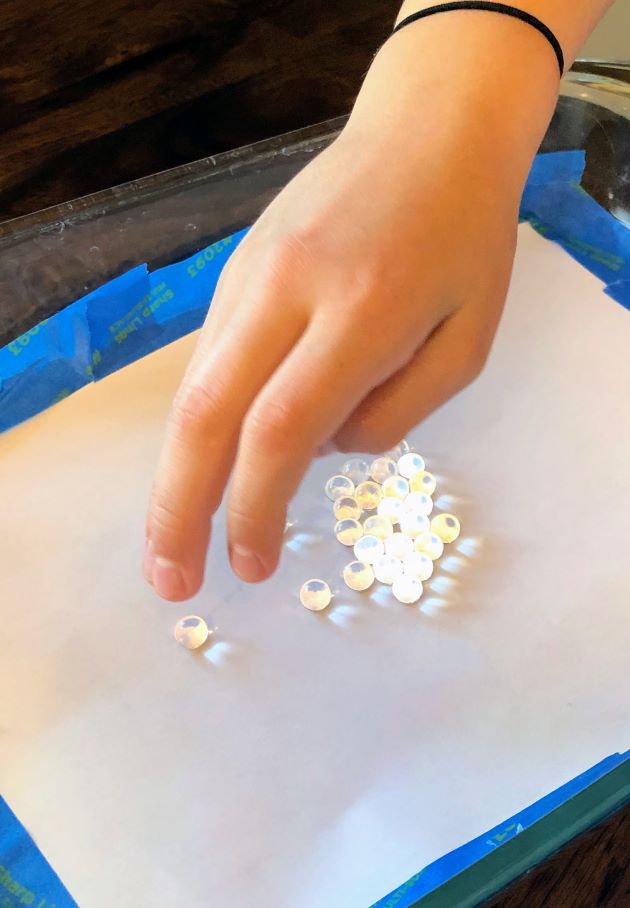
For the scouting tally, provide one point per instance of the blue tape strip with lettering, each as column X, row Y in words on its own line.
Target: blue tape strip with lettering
column 456, row 861
column 141, row 311
column 109, row 328
column 26, row 878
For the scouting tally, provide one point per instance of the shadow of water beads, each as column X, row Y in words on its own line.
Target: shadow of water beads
column 432, row 605
column 469, row 546
column 442, row 585
column 453, row 564
column 219, row 652
column 301, row 539
column 447, row 502
column 382, row 596
column 344, row 616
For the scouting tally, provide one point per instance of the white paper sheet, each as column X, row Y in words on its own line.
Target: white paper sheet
column 321, row 759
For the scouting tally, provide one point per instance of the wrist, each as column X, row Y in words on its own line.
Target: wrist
column 471, row 77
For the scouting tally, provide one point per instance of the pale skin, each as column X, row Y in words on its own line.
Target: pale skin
column 369, row 292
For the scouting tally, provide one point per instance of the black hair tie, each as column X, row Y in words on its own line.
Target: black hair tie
column 491, row 8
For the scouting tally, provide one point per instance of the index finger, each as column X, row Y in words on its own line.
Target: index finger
column 201, row 440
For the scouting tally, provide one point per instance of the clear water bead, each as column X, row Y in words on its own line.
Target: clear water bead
column 368, row 549
column 378, row 526
column 409, row 464
column 191, row 632
column 398, row 545
column 407, row 589
column 431, row 545
column 368, row 495
column 398, row 450
column 414, row 524
column 356, row 469
column 346, row 507
column 382, row 468
column 338, row 487
column 418, row 565
column 390, row 508
column 423, row 482
column 315, row 595
column 418, row 503
column 446, row 527
column 348, row 531
column 358, row 575
column 395, row 487
column 387, row 568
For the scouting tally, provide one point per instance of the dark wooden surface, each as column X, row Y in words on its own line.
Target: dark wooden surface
column 98, row 92
column 592, row 872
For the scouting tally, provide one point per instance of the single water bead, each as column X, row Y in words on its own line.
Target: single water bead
column 368, row 549
column 414, row 524
column 358, row 576
column 348, row 531
column 418, row 502
column 446, row 527
column 339, row 487
column 367, row 495
column 398, row 545
column 430, row 544
column 398, row 450
column 391, row 508
column 407, row 589
column 395, row 487
column 315, row 595
column 357, row 469
column 423, row 481
column 378, row 526
column 409, row 464
column 387, row 568
column 346, row 507
column 191, row 632
column 382, row 468
column 418, row 565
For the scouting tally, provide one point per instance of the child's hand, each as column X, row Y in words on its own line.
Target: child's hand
column 365, row 296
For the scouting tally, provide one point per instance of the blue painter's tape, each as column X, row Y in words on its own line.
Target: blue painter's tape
column 26, row 878
column 556, row 167
column 141, row 311
column 109, row 328
column 558, row 208
column 457, row 861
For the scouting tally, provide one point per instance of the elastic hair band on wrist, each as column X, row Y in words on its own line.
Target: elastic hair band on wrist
column 503, row 8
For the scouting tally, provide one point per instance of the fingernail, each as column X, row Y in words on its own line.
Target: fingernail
column 148, row 562
column 327, row 448
column 168, row 579
column 246, row 564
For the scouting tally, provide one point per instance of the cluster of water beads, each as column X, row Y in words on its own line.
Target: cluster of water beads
column 395, row 489
column 382, row 511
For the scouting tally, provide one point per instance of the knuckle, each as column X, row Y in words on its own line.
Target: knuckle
column 240, row 512
column 193, row 409
column 245, row 523
column 271, row 425
column 288, row 254
column 165, row 523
